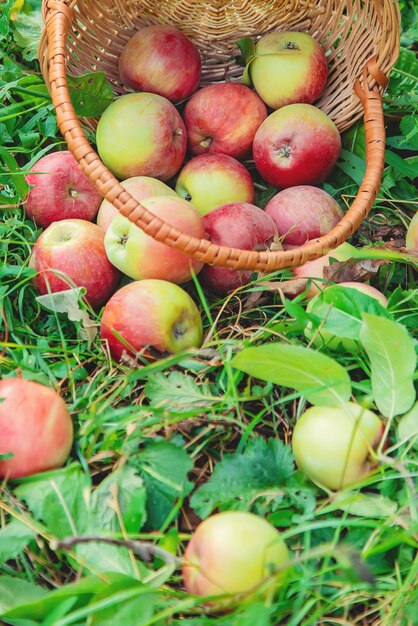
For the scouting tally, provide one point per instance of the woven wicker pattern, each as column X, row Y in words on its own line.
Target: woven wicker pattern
column 89, row 35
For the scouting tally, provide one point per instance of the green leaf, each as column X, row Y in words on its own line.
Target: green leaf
column 247, row 48
column 392, row 357
column 240, row 478
column 366, row 505
column 319, row 378
column 404, row 75
column 19, row 181
column 178, row 392
column 136, row 612
column 408, row 426
column 352, row 165
column 14, row 537
column 27, row 33
column 90, row 94
column 407, row 167
column 164, row 468
column 14, row 592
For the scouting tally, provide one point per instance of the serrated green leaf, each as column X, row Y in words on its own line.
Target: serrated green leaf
column 408, row 426
column 393, row 360
column 366, row 505
column 178, row 392
column 240, row 478
column 14, row 537
column 319, row 378
column 90, row 94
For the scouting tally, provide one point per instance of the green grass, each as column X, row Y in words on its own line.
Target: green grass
column 158, row 443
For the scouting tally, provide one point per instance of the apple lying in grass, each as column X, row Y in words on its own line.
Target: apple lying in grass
column 332, row 445
column 233, row 552
column 290, row 67
column 412, row 235
column 296, row 145
column 142, row 134
column 72, row 253
column 210, row 180
column 223, row 118
column 313, row 272
column 140, row 256
column 302, row 213
column 35, row 427
column 152, row 313
column 160, row 59
column 237, row 225
column 60, row 191
column 140, row 187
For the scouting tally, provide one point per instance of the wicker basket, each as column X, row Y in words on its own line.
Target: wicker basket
column 362, row 37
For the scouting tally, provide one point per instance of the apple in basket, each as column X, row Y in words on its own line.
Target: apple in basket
column 223, row 118
column 210, row 180
column 35, row 426
column 150, row 313
column 140, row 256
column 302, row 213
column 232, row 552
column 162, row 60
column 332, row 445
column 296, row 145
column 140, row 187
column 60, row 190
column 142, row 134
column 72, row 253
column 289, row 67
column 237, row 225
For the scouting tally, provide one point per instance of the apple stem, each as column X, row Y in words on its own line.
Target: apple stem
column 206, row 142
column 73, row 193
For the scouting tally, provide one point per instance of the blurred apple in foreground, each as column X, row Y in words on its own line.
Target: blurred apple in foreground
column 290, row 67
column 140, row 187
column 302, row 213
column 223, row 118
column 296, row 145
column 72, row 252
column 332, row 445
column 160, row 59
column 35, row 427
column 210, row 180
column 142, row 134
column 232, row 552
column 237, row 225
column 140, row 256
column 412, row 235
column 60, row 191
column 152, row 313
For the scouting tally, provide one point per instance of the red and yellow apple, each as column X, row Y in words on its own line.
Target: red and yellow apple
column 210, row 180
column 289, row 67
column 160, row 59
column 60, row 190
column 142, row 134
column 140, row 256
column 233, row 552
column 237, row 225
column 313, row 272
column 72, row 253
column 302, row 213
column 140, row 187
column 332, row 445
column 296, row 145
column 223, row 119
column 412, row 235
column 35, row 427
column 152, row 313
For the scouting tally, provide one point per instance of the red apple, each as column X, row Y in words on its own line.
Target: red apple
column 35, row 427
column 238, row 225
column 290, row 67
column 232, row 552
column 60, row 191
column 210, row 180
column 142, row 134
column 140, row 187
column 162, row 60
column 72, row 253
column 223, row 118
column 313, row 271
column 303, row 213
column 296, row 145
column 412, row 235
column 140, row 256
column 151, row 313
